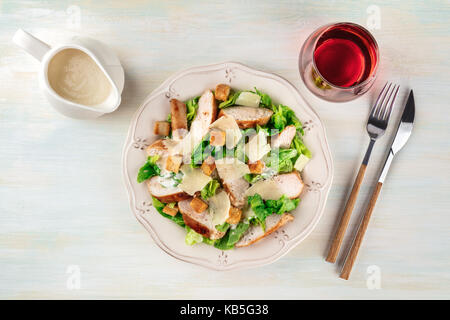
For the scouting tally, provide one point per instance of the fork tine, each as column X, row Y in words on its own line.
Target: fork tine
column 384, row 102
column 385, row 107
column 388, row 111
column 380, row 100
column 374, row 108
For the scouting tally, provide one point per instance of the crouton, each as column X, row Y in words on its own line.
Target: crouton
column 173, row 163
column 256, row 167
column 170, row 211
column 234, row 215
column 161, row 128
column 222, row 92
column 198, row 205
column 217, row 138
column 208, row 166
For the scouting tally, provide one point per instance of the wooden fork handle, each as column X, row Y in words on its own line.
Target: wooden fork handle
column 351, row 258
column 339, row 236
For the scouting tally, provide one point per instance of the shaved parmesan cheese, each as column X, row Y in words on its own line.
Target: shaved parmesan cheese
column 230, row 169
column 267, row 189
column 257, row 147
column 301, row 162
column 248, row 212
column 219, row 207
column 230, row 127
column 193, row 180
column 248, row 99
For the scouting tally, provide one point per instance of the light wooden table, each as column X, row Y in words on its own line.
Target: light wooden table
column 63, row 206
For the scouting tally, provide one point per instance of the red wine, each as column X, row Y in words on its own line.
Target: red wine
column 345, row 55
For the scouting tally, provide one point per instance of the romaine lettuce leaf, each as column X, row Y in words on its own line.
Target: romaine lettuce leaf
column 231, row 100
column 149, row 169
column 266, row 101
column 263, row 209
column 159, row 206
column 192, row 237
column 252, row 178
column 202, row 151
column 208, row 241
column 282, row 160
column 298, row 145
column 210, row 189
column 223, row 227
column 191, row 109
column 228, row 241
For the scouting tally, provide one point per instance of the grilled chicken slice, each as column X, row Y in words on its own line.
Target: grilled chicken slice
column 236, row 191
column 284, row 138
column 157, row 148
column 199, row 222
column 179, row 120
column 290, row 184
column 206, row 113
column 248, row 117
column 256, row 233
column 166, row 195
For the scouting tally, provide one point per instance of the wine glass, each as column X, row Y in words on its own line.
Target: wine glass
column 338, row 62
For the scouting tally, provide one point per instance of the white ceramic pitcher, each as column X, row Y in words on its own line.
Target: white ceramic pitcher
column 103, row 56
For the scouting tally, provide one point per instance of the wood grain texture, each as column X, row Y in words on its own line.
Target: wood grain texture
column 343, row 223
column 62, row 199
column 356, row 245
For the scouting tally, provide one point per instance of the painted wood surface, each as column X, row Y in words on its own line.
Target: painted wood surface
column 63, row 204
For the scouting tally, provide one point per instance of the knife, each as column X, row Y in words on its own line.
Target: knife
column 404, row 130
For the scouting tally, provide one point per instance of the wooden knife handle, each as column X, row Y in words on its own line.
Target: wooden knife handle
column 339, row 236
column 351, row 258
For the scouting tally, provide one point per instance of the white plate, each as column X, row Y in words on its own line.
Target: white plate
column 317, row 175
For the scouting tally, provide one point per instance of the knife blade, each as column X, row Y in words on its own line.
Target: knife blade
column 402, row 135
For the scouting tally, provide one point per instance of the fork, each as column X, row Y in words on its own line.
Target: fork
column 376, row 126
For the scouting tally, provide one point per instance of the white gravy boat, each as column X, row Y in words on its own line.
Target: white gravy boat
column 102, row 55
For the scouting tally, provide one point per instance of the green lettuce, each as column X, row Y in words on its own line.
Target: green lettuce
column 239, row 150
column 282, row 160
column 263, row 209
column 191, row 109
column 149, row 169
column 208, row 241
column 228, row 241
column 298, row 145
column 223, row 227
column 284, row 116
column 231, row 100
column 210, row 189
column 192, row 237
column 266, row 101
column 201, row 152
column 259, row 208
column 282, row 205
column 252, row 178
column 159, row 206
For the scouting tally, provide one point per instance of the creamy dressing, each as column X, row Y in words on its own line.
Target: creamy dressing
column 170, row 180
column 268, row 173
column 75, row 76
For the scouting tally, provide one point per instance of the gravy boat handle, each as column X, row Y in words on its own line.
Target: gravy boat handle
column 30, row 44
